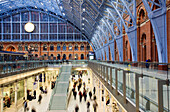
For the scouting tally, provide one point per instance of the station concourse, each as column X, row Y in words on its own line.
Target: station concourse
column 55, row 52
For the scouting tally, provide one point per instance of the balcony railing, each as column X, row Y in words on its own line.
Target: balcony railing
column 148, row 88
column 11, row 68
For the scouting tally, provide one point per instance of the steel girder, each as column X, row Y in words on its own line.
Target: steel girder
column 158, row 21
column 131, row 31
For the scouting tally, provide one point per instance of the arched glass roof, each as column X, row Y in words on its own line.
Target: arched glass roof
column 85, row 14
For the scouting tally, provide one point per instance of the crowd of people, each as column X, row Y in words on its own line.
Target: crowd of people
column 82, row 91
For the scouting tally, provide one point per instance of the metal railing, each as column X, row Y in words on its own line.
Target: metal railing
column 147, row 87
column 10, row 68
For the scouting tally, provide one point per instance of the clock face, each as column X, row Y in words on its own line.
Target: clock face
column 29, row 27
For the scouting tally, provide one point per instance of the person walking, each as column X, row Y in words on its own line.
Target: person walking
column 80, row 95
column 95, row 106
column 76, row 108
column 94, row 90
column 90, row 94
column 39, row 99
column 33, row 110
column 88, row 105
column 25, row 105
column 34, row 94
column 75, row 94
column 85, row 95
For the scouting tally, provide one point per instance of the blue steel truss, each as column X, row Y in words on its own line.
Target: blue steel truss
column 157, row 17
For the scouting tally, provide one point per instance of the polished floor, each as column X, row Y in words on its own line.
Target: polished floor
column 43, row 107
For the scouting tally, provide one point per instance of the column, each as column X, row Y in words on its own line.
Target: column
column 46, row 78
column 137, row 90
column 104, row 96
column 160, row 94
column 50, row 78
column 124, row 86
column 111, row 80
column 100, row 93
column 38, row 83
column 116, row 81
column 16, row 93
column 2, row 104
column 25, row 88
column 107, row 79
column 42, row 78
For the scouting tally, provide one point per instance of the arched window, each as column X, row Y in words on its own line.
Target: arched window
column 82, row 56
column 76, row 56
column 58, row 56
column 70, row 47
column 1, row 47
column 20, row 47
column 51, row 47
column 45, row 47
column 70, row 56
column 36, row 47
column 64, row 56
column 45, row 54
column 52, row 55
column 58, row 47
column 76, row 47
column 36, row 55
column 64, row 47
column 26, row 47
column 82, row 47
column 142, row 14
column 88, row 47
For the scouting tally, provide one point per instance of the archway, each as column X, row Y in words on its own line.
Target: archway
column 70, row 56
column 64, row 56
column 76, row 57
column 82, row 56
column 58, row 57
column 11, row 48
